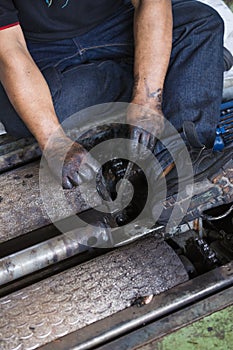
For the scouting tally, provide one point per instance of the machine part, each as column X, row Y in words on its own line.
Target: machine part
column 69, row 244
column 189, row 267
column 213, row 248
column 219, row 217
column 51, row 270
column 118, row 214
column 87, row 293
column 120, row 325
column 221, row 226
column 207, row 194
column 223, row 249
column 204, row 195
column 120, row 170
column 123, row 184
column 201, row 255
column 198, row 226
column 224, row 131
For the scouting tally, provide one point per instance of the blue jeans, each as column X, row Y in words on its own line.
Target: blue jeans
column 97, row 67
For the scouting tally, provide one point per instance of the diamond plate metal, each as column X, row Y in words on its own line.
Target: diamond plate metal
column 87, row 293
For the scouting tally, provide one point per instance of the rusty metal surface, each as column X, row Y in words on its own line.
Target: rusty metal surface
column 89, row 292
column 21, row 206
column 9, row 143
column 15, row 152
column 123, row 330
column 214, row 331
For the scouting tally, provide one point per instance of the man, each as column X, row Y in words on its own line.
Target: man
column 55, row 56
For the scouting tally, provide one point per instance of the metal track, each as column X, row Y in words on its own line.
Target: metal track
column 150, row 337
column 87, row 293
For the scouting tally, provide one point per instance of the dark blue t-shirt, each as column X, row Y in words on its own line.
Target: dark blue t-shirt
column 46, row 20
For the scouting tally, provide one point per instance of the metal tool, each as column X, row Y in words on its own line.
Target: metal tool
column 122, row 188
column 115, row 207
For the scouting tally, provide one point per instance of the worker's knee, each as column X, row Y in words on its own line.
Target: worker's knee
column 192, row 11
column 208, row 12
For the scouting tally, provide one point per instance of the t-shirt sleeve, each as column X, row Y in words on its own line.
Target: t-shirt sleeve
column 8, row 14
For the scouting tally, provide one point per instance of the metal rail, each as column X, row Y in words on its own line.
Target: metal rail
column 126, row 321
column 149, row 336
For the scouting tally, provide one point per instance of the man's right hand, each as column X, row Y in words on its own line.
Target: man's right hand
column 73, row 166
column 146, row 126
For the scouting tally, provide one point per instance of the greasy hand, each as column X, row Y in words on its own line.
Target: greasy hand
column 146, row 125
column 73, row 155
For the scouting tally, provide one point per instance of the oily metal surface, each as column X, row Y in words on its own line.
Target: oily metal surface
column 21, row 205
column 200, row 326
column 15, row 152
column 135, row 326
column 87, row 293
column 69, row 244
column 19, row 151
column 206, row 194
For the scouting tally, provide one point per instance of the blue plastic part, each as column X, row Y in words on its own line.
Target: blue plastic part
column 218, row 143
column 224, row 131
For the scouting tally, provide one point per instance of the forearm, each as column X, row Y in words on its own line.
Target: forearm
column 153, row 41
column 28, row 92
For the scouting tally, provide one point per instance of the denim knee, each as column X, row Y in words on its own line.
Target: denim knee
column 185, row 12
column 208, row 11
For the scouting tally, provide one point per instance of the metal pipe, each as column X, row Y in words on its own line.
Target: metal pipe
column 47, row 253
column 67, row 245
